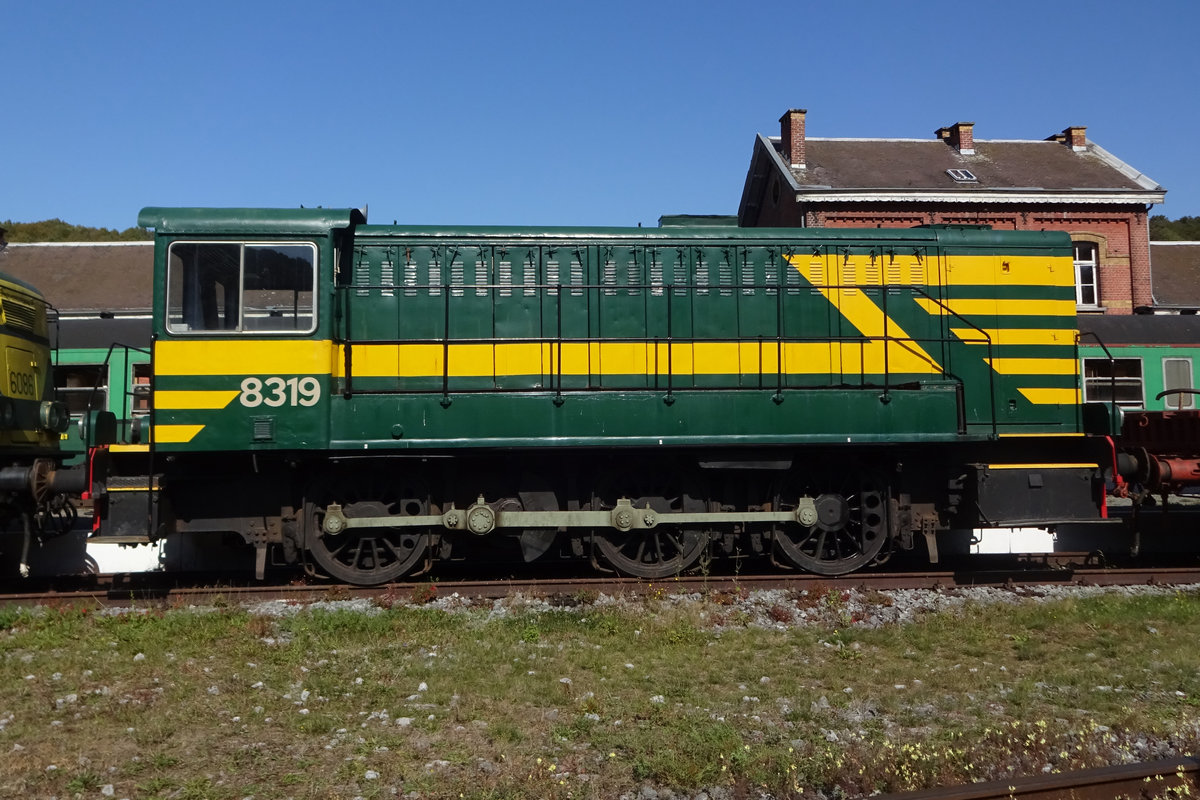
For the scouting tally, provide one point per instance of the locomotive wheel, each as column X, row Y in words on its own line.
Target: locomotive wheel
column 369, row 556
column 848, row 530
column 657, row 553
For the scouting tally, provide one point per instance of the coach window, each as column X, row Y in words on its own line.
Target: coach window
column 1087, row 293
column 139, row 390
column 82, row 387
column 1119, row 379
column 241, row 287
column 1177, row 374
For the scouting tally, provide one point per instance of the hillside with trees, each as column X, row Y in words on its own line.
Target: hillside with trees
column 1184, row 229
column 55, row 230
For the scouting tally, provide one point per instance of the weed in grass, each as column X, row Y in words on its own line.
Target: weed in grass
column 781, row 614
column 156, row 786
column 424, row 593
column 85, row 781
column 585, row 597
column 684, row 633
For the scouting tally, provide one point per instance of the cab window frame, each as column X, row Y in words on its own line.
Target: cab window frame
column 214, row 288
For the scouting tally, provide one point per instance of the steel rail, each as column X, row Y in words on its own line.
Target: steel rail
column 1172, row 777
column 182, row 588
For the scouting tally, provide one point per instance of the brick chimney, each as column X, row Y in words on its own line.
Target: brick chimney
column 1074, row 137
column 960, row 136
column 791, row 132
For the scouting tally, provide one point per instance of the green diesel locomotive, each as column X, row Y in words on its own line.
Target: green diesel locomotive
column 374, row 398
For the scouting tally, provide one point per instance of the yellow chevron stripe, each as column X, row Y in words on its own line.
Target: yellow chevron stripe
column 176, row 434
column 171, row 400
column 1034, row 366
column 1007, row 336
column 1004, row 308
column 1009, row 271
column 1046, row 397
column 861, row 311
column 904, row 270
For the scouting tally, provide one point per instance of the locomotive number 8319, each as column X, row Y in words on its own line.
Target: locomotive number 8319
column 370, row 400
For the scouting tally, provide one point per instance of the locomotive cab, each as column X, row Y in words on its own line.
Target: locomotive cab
column 241, row 365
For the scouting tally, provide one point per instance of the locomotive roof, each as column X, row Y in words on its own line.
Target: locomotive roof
column 248, row 221
column 314, row 221
column 15, row 281
column 947, row 236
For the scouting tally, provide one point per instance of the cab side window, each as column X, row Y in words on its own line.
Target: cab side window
column 241, row 287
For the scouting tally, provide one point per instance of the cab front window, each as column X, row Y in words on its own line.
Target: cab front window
column 241, row 287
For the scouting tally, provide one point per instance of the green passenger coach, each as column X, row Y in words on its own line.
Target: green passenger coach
column 373, row 399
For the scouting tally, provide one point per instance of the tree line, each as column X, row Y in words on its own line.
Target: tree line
column 1184, row 229
column 55, row 230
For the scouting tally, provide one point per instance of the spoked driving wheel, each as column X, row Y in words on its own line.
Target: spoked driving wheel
column 367, row 556
column 657, row 552
column 836, row 532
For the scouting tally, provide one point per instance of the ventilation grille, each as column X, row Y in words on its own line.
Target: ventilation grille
column 264, row 429
column 19, row 315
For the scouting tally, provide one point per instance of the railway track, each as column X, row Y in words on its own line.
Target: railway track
column 182, row 589
column 1173, row 777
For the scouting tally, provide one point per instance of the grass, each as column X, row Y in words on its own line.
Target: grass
column 589, row 701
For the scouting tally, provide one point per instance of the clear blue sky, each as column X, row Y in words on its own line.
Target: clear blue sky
column 596, row 113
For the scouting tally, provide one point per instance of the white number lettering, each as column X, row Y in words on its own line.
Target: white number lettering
column 251, row 392
column 280, row 392
column 310, row 391
column 278, row 396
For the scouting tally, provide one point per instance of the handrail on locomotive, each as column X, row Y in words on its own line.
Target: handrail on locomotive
column 778, row 340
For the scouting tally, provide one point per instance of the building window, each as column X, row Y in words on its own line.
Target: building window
column 1087, row 291
column 1177, row 374
column 1119, row 379
column 82, row 387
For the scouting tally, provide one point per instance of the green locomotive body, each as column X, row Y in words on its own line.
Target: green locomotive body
column 373, row 394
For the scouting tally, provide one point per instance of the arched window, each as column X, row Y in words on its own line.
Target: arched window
column 1087, row 261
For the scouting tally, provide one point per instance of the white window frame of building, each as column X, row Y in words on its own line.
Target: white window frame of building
column 1183, row 380
column 1087, row 266
column 1129, row 384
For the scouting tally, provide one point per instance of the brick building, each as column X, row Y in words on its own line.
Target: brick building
column 1064, row 182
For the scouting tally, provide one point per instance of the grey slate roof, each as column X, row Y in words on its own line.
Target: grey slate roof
column 88, row 276
column 1175, row 274
column 919, row 164
column 914, row 170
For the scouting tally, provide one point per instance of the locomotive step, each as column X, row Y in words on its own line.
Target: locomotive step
column 121, row 539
